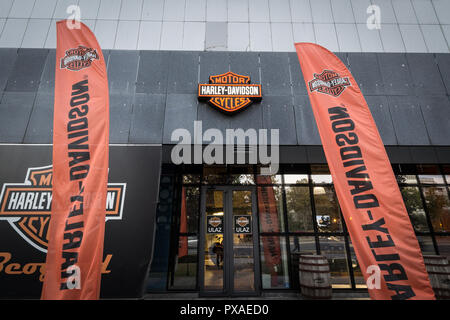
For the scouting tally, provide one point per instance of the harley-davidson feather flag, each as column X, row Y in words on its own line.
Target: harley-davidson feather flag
column 80, row 167
column 381, row 232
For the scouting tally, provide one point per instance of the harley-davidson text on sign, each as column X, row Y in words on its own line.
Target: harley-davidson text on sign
column 229, row 92
column 27, row 206
column 242, row 224
column 214, row 224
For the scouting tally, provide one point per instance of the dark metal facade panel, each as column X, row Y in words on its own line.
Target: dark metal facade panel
column 443, row 61
column 47, row 81
column 408, row 121
column 298, row 82
column 152, row 73
column 8, row 57
column 379, row 108
column 15, row 108
column 247, row 64
column 305, row 123
column 436, row 113
column 365, row 69
column 212, row 118
column 122, row 71
column 27, row 71
column 395, row 74
column 278, row 113
column 183, row 72
column 148, row 118
column 275, row 78
column 180, row 113
column 120, row 113
column 425, row 74
column 213, row 63
column 40, row 126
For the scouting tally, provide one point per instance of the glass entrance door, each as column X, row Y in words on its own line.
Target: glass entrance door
column 229, row 242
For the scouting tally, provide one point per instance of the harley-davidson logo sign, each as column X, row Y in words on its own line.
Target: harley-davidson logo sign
column 27, row 206
column 329, row 82
column 79, row 58
column 229, row 92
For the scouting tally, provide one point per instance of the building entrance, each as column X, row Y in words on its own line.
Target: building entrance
column 229, row 242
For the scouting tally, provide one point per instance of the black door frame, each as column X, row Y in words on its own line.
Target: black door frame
column 228, row 285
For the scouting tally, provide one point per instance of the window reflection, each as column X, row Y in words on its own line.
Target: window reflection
column 274, row 266
column 357, row 273
column 429, row 174
column 438, row 207
column 298, row 209
column 184, row 273
column 270, row 208
column 444, row 246
column 414, row 206
column 190, row 197
column 327, row 210
column 334, row 250
column 426, row 245
column 295, row 178
column 320, row 174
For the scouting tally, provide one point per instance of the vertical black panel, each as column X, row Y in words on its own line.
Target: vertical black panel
column 183, row 72
column 120, row 108
column 15, row 109
column 152, row 73
column 436, row 113
column 213, row 63
column 305, row 123
column 379, row 108
column 298, row 82
column 40, row 126
column 278, row 113
column 247, row 64
column 8, row 57
column 148, row 118
column 275, row 78
column 180, row 113
column 395, row 74
column 212, row 118
column 443, row 61
column 122, row 71
column 408, row 121
column 365, row 70
column 26, row 73
column 425, row 73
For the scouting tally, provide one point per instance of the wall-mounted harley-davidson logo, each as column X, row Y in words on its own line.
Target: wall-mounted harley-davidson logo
column 229, row 92
column 79, row 58
column 27, row 206
column 329, row 82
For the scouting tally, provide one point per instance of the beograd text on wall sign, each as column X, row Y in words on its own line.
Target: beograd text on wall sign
column 229, row 92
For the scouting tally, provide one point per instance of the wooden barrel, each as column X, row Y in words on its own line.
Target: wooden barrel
column 315, row 278
column 438, row 269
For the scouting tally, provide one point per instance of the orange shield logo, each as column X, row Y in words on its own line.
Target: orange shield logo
column 27, row 206
column 229, row 92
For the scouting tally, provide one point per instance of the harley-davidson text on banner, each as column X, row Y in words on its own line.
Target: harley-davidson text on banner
column 80, row 167
column 367, row 190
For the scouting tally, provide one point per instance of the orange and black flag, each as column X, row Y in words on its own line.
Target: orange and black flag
column 80, row 167
column 381, row 232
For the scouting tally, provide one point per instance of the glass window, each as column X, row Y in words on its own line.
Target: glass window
column 298, row 208
column 270, row 208
column 328, row 218
column 320, row 174
column 190, row 197
column 406, row 179
column 274, row 265
column 446, row 171
column 429, row 174
column 357, row 273
column 215, row 174
column 443, row 243
column 244, row 179
column 426, row 245
column 295, row 178
column 184, row 274
column 274, row 179
column 414, row 206
column 191, row 178
column 438, row 207
column 333, row 249
column 303, row 244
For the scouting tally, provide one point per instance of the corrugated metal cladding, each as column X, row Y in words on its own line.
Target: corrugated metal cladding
column 154, row 92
